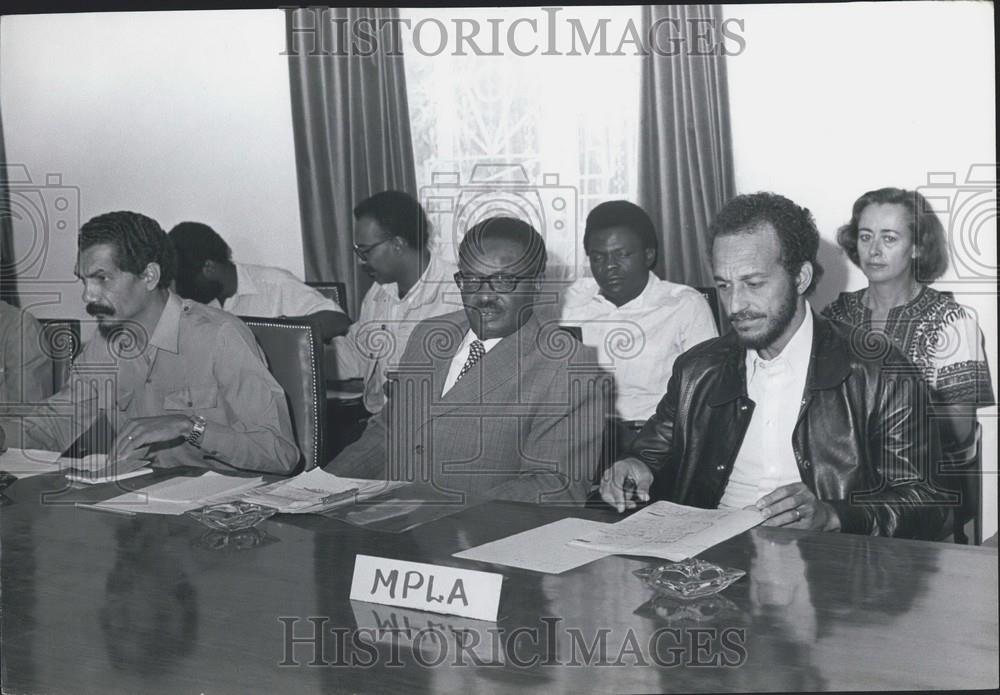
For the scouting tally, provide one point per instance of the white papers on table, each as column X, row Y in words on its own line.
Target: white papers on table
column 315, row 491
column 25, row 463
column 95, row 468
column 669, row 531
column 178, row 495
column 542, row 549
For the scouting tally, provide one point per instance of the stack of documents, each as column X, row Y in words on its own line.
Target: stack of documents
column 316, row 491
column 178, row 495
column 25, row 463
column 96, row 468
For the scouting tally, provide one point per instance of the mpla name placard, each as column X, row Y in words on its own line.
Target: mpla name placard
column 434, row 588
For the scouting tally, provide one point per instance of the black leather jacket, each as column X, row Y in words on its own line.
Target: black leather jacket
column 863, row 441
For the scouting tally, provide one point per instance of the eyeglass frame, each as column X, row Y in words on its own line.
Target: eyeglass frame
column 489, row 279
column 362, row 252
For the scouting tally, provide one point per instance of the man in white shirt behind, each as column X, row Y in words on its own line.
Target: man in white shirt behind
column 638, row 322
column 392, row 243
column 206, row 273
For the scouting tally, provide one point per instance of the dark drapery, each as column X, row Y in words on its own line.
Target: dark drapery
column 8, row 275
column 352, row 129
column 685, row 142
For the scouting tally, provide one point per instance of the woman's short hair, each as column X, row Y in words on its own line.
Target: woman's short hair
column 925, row 227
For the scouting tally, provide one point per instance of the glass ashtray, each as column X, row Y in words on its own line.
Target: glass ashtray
column 232, row 516
column 689, row 579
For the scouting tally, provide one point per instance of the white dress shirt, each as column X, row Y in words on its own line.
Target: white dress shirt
column 766, row 460
column 375, row 342
column 263, row 290
column 458, row 361
column 640, row 340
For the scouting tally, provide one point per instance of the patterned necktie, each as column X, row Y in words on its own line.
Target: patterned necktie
column 476, row 352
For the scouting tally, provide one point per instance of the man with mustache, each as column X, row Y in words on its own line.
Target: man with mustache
column 182, row 384
column 638, row 323
column 786, row 414
column 206, row 273
column 391, row 241
column 489, row 402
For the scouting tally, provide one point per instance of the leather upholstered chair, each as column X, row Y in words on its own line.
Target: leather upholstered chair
column 295, row 358
column 61, row 343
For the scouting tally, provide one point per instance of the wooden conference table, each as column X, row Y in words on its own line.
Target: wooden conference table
column 100, row 603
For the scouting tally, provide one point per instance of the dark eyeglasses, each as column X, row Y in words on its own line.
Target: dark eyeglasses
column 500, row 283
column 363, row 251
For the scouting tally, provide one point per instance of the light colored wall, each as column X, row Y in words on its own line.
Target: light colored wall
column 829, row 101
column 178, row 115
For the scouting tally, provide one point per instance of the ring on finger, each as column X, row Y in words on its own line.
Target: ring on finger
column 798, row 514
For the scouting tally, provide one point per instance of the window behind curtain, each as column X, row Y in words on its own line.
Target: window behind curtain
column 541, row 137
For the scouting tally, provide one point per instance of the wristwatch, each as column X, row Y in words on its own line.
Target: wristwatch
column 197, row 431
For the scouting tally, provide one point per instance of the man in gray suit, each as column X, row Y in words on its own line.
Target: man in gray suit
column 490, row 402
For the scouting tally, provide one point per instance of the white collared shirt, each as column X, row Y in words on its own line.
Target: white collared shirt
column 458, row 361
column 640, row 340
column 263, row 290
column 766, row 460
column 375, row 342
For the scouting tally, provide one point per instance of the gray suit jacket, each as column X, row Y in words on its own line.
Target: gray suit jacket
column 525, row 423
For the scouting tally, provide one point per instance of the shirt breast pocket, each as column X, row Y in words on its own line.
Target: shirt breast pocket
column 192, row 399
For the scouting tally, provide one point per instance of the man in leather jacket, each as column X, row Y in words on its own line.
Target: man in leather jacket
column 787, row 413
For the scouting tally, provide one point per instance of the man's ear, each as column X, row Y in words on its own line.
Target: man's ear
column 650, row 255
column 804, row 278
column 210, row 269
column 151, row 276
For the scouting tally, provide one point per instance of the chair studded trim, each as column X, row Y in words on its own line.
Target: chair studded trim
column 275, row 336
column 61, row 343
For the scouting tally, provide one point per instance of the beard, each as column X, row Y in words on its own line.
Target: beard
column 775, row 324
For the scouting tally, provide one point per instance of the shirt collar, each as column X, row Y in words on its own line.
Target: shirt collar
column 166, row 335
column 637, row 303
column 795, row 353
column 470, row 335
column 431, row 274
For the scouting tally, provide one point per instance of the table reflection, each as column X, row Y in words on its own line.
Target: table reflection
column 149, row 618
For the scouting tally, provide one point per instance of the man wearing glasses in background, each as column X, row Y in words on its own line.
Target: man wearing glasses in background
column 489, row 402
column 391, row 243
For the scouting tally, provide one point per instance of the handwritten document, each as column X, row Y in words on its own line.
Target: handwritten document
column 669, row 531
column 543, row 549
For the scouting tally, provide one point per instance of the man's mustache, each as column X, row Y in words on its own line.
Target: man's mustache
column 95, row 309
column 746, row 316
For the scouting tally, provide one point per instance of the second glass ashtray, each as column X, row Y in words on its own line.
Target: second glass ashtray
column 232, row 516
column 689, row 579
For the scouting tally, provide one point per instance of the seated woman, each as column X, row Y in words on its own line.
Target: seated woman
column 897, row 240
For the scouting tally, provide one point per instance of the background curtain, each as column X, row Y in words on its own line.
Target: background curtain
column 685, row 142
column 8, row 275
column 352, row 132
